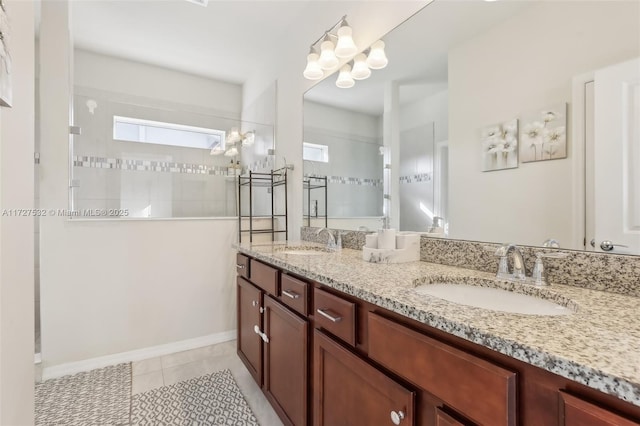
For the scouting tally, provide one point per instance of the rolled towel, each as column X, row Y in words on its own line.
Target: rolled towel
column 387, row 239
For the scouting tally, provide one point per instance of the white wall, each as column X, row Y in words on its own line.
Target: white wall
column 353, row 141
column 115, row 286
column 521, row 66
column 16, row 233
column 138, row 79
column 370, row 21
column 434, row 108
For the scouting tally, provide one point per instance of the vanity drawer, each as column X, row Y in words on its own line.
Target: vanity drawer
column 575, row 411
column 478, row 389
column 293, row 293
column 264, row 276
column 242, row 265
column 335, row 315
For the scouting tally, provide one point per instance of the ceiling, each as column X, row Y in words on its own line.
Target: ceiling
column 418, row 51
column 226, row 40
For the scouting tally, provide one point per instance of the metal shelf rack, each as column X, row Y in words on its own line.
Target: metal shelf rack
column 270, row 180
column 316, row 182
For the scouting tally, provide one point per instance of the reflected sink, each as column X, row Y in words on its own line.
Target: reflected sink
column 494, row 299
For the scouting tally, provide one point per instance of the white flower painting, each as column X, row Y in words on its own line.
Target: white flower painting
column 543, row 135
column 500, row 146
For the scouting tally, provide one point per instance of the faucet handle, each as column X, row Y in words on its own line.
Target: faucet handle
column 539, row 273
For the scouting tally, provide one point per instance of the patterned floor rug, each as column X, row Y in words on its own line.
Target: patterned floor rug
column 214, row 400
column 71, row 400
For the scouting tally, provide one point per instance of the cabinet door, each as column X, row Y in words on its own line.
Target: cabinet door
column 350, row 392
column 285, row 362
column 443, row 419
column 577, row 412
column 249, row 317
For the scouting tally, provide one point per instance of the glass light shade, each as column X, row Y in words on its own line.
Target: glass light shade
column 231, row 152
column 313, row 71
column 360, row 69
column 377, row 59
column 345, row 48
column 328, row 59
column 248, row 138
column 345, row 80
column 217, row 150
column 233, row 137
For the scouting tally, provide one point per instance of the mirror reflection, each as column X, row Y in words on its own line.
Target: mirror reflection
column 493, row 121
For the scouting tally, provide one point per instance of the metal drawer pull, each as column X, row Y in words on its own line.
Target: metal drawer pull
column 397, row 417
column 291, row 294
column 328, row 316
column 262, row 335
column 239, row 266
column 254, row 303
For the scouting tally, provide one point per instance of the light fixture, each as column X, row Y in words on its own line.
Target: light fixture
column 344, row 52
column 345, row 47
column 231, row 152
column 233, row 137
column 217, row 150
column 345, row 80
column 313, row 71
column 377, row 59
column 248, row 138
column 360, row 69
column 328, row 59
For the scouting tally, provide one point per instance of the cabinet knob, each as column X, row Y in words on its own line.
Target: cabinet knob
column 239, row 266
column 254, row 303
column 397, row 417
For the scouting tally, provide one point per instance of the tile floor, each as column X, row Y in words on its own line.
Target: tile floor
column 168, row 369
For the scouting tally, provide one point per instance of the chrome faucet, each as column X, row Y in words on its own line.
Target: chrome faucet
column 331, row 241
column 519, row 270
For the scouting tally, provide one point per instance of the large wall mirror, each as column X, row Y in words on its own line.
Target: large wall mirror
column 511, row 121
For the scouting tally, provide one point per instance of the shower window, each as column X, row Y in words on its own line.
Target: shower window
column 145, row 158
column 156, row 132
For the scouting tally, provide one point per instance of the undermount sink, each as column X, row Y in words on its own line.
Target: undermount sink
column 494, row 299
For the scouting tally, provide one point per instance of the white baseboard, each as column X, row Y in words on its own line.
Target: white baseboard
column 136, row 355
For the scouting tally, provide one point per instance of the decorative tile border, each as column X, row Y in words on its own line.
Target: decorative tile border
column 596, row 271
column 349, row 180
column 148, row 165
column 422, row 177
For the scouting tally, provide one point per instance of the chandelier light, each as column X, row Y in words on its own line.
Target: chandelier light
column 234, row 137
column 360, row 69
column 344, row 51
column 313, row 71
column 377, row 59
column 345, row 80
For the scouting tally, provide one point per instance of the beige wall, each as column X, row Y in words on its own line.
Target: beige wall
column 16, row 233
column 525, row 64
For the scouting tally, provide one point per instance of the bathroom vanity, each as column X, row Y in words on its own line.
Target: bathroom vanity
column 333, row 340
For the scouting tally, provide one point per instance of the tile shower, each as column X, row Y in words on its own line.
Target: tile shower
column 150, row 180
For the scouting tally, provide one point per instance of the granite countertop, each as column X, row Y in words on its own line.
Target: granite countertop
column 598, row 345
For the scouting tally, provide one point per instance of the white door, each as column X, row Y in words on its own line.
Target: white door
column 617, row 158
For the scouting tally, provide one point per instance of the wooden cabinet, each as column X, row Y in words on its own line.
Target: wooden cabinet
column 286, row 361
column 335, row 315
column 444, row 419
column 273, row 342
column 451, row 375
column 364, row 365
column 249, row 317
column 577, row 412
column 348, row 391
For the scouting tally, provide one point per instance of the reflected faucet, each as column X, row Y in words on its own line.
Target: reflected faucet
column 331, row 241
column 519, row 270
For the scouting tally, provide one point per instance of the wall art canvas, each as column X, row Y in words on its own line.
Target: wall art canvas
column 500, row 146
column 543, row 134
column 6, row 94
